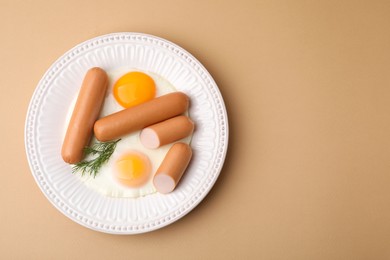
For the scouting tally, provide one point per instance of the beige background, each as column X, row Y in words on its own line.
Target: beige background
column 307, row 89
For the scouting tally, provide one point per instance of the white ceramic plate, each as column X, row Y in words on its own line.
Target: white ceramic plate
column 45, row 127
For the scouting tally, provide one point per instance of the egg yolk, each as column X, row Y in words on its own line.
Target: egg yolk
column 133, row 169
column 133, row 89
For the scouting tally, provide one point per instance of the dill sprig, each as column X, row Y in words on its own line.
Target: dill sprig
column 102, row 152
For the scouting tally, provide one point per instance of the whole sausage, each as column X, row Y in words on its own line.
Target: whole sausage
column 166, row 132
column 85, row 113
column 135, row 118
column 172, row 167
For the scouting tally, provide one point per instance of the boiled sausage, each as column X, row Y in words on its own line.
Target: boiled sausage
column 172, row 167
column 166, row 132
column 85, row 113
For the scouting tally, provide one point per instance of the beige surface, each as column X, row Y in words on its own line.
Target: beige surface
column 307, row 88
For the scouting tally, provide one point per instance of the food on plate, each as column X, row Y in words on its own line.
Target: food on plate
column 85, row 113
column 133, row 169
column 129, row 165
column 166, row 132
column 101, row 154
column 134, row 88
column 135, row 118
column 133, row 101
column 172, row 168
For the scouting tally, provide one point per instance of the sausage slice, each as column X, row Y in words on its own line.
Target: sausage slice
column 172, row 167
column 166, row 132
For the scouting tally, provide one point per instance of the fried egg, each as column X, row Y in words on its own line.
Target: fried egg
column 129, row 171
column 134, row 88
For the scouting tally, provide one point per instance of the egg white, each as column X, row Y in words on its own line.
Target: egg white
column 105, row 182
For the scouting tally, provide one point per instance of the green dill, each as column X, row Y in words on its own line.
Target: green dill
column 101, row 151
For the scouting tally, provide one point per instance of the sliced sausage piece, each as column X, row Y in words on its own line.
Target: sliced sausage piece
column 172, row 167
column 135, row 118
column 85, row 113
column 166, row 132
